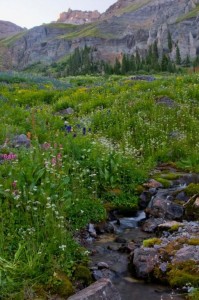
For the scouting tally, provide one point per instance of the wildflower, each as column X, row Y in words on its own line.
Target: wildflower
column 84, row 130
column 62, row 247
column 10, row 156
column 14, row 184
column 68, row 128
column 28, row 135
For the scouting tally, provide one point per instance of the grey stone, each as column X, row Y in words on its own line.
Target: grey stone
column 144, row 261
column 102, row 265
column 20, row 141
column 103, row 289
column 166, row 101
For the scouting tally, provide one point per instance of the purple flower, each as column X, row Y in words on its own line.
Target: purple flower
column 84, row 130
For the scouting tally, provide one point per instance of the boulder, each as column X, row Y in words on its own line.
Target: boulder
column 166, row 101
column 103, row 289
column 186, row 253
column 152, row 183
column 161, row 207
column 91, row 230
column 151, row 224
column 20, row 141
column 144, row 261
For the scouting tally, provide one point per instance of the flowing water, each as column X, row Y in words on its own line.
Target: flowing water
column 105, row 249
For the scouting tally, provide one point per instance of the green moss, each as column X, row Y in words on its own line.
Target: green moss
column 192, row 189
column 182, row 273
column 61, row 285
column 151, row 242
column 139, row 189
column 166, row 183
column 83, row 274
column 193, row 242
column 171, row 176
column 174, row 227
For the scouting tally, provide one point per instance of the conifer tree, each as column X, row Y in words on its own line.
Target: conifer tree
column 170, row 42
column 178, row 56
column 164, row 62
column 117, row 67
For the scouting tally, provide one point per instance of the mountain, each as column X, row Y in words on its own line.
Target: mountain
column 127, row 26
column 9, row 29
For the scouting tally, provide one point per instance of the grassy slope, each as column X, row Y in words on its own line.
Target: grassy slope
column 192, row 14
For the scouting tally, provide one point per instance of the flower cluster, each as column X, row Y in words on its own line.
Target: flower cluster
column 10, row 156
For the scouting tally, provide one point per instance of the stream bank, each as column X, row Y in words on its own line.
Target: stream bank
column 169, row 256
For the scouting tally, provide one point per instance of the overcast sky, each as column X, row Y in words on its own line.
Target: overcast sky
column 30, row 13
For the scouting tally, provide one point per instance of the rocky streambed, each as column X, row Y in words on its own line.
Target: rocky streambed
column 155, row 253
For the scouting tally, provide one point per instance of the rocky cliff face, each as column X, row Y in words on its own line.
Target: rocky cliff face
column 8, row 29
column 78, row 17
column 126, row 26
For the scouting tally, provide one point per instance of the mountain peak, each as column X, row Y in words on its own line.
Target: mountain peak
column 78, row 17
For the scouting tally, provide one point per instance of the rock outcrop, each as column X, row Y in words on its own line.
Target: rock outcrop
column 78, row 17
column 127, row 26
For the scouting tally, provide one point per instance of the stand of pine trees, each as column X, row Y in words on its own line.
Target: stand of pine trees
column 84, row 61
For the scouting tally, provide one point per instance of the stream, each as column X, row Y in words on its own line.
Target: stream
column 109, row 248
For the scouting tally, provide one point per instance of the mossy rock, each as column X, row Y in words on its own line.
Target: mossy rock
column 182, row 273
column 139, row 189
column 61, row 285
column 193, row 242
column 83, row 274
column 192, row 189
column 166, row 183
column 191, row 210
column 151, row 242
column 171, row 176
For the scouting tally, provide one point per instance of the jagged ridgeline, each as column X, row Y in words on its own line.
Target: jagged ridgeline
column 127, row 29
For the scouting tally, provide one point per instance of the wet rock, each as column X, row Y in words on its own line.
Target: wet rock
column 144, row 261
column 104, row 273
column 91, row 230
column 152, row 183
column 145, row 198
column 181, row 196
column 113, row 247
column 102, row 289
column 102, row 265
column 174, row 211
column 120, row 240
column 104, row 227
column 151, row 224
column 189, row 178
column 20, row 141
column 128, row 248
column 162, row 206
